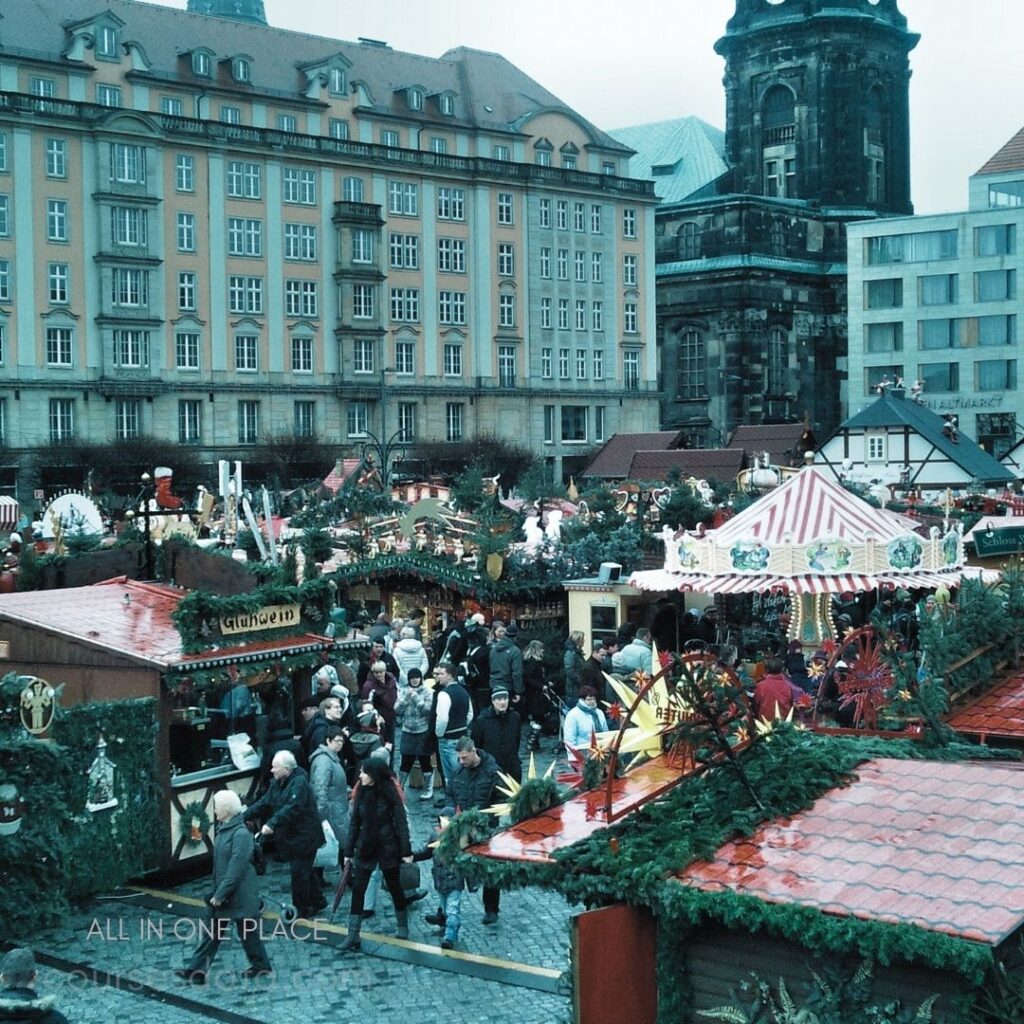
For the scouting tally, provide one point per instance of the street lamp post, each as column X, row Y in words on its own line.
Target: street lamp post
column 145, row 513
column 387, row 452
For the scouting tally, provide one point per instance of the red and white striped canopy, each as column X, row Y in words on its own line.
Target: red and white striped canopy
column 9, row 513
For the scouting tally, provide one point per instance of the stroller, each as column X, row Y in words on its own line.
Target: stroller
column 547, row 717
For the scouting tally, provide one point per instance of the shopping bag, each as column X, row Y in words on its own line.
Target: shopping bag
column 327, row 855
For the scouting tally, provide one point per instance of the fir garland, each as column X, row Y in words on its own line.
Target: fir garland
column 193, row 811
column 463, row 830
column 534, row 797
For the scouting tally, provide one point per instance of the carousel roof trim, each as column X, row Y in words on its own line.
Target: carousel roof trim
column 903, row 844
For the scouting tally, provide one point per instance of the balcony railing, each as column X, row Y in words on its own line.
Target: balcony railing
column 780, row 135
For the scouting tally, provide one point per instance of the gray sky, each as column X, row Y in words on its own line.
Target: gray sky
column 658, row 63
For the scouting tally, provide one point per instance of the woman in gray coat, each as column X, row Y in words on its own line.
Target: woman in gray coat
column 234, row 896
column 330, row 787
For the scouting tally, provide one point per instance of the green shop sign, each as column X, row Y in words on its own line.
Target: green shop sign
column 1005, row 540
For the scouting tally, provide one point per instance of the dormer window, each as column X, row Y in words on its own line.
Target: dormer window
column 240, row 70
column 542, row 150
column 446, row 104
column 106, row 42
column 201, row 63
column 336, row 82
column 415, row 99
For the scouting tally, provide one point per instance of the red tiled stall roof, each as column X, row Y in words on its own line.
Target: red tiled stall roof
column 1009, row 157
column 721, row 464
column 939, row 846
column 613, row 459
column 140, row 628
column 997, row 714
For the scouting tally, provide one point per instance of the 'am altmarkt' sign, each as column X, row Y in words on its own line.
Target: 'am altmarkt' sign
column 271, row 616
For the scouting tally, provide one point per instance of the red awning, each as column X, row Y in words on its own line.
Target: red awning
column 9, row 512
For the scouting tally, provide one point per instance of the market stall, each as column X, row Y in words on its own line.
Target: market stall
column 216, row 694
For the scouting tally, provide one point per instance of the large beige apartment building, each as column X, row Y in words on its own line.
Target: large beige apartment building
column 213, row 231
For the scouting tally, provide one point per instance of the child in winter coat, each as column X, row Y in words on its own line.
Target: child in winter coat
column 448, row 884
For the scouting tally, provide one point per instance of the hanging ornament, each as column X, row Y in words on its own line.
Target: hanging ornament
column 100, row 795
column 12, row 809
column 38, row 703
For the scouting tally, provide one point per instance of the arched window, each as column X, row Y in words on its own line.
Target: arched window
column 874, row 145
column 777, row 366
column 777, row 115
column 689, row 241
column 692, row 365
column 778, row 142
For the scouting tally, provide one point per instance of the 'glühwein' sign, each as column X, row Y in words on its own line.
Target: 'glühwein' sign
column 271, row 616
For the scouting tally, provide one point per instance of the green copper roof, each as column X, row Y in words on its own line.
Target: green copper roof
column 236, row 10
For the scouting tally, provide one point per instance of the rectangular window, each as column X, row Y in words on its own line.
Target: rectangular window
column 545, row 262
column 885, row 294
column 544, row 213
column 561, row 214
column 874, row 447
column 245, row 236
column 337, row 128
column 581, row 364
column 6, row 290
column 549, row 424
column 245, row 294
column 56, row 158
column 300, row 186
column 389, row 138
column 45, row 87
column 997, row 330
column 57, row 276
column 563, row 264
column 939, row 377
column 579, row 216
column 546, row 363
column 336, row 84
column 184, row 173
column 127, row 164
column 302, row 354
column 595, row 218
column 403, row 198
column 451, row 255
column 230, row 115
column 599, row 423
column 563, row 314
column 996, row 375
column 186, row 232
column 172, row 106
column 995, row 240
column 362, row 355
column 247, row 347
column 938, row 289
column 186, row 291
column 453, row 421
column 596, row 267
column 106, row 42
column 131, row 348
column 405, row 305
column 300, row 242
column 506, row 259
column 405, row 358
column 629, row 270
column 62, row 419
column 248, row 422
column 597, row 316
column 126, row 418
column 189, row 422
column 357, row 419
column 886, row 337
column 629, row 318
column 5, row 216
column 451, row 307
column 506, row 206
column 451, row 204
column 453, row 360
column 506, row 311
column 874, row 375
column 936, row 334
column 56, row 220
column 405, row 251
column 186, row 350
column 438, row 144
column 301, row 298
column 917, row 247
column 542, row 157
column 245, row 180
column 502, row 153
column 128, row 226
column 406, row 421
column 362, row 302
column 581, row 314
column 58, row 346
column 129, row 287
column 108, row 95
column 506, row 366
column 631, row 371
column 569, row 161
column 304, row 422
column 287, row 123
column 362, row 245
column 995, row 285
column 574, row 423
column 692, row 366
column 352, row 190
column 545, row 312
column 564, row 355
column 629, row 223
column 580, row 265
column 598, row 364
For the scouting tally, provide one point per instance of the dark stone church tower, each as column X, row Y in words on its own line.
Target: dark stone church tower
column 236, row 10
column 817, row 101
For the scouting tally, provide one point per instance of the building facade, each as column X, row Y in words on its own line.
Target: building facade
column 213, row 232
column 750, row 259
column 934, row 300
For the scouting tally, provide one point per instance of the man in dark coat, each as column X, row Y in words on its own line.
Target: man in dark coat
column 234, row 896
column 592, row 673
column 377, row 653
column 497, row 730
column 472, row 785
column 289, row 808
column 19, row 1001
column 506, row 663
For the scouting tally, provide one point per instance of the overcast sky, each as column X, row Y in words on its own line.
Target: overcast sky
column 625, row 63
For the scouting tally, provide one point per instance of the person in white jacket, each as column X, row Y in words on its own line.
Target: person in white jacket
column 409, row 653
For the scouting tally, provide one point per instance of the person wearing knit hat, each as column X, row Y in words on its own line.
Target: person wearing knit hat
column 497, row 729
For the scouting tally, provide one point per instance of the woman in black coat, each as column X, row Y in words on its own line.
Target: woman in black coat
column 378, row 833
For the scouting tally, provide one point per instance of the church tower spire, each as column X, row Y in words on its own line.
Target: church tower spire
column 237, row 10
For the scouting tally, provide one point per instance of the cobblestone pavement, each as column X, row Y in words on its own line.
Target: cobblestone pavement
column 141, row 942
